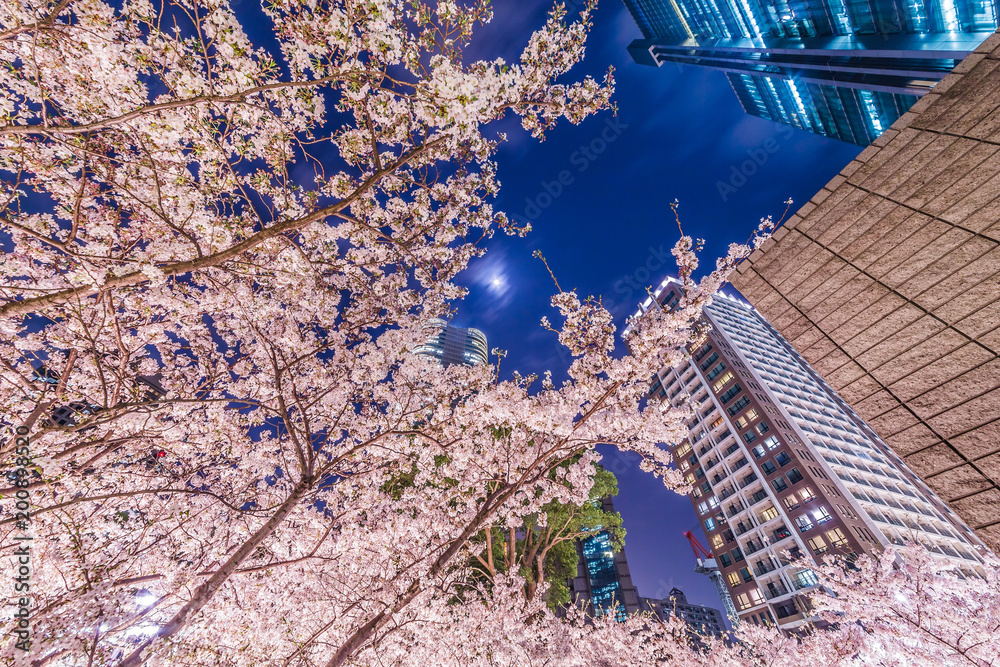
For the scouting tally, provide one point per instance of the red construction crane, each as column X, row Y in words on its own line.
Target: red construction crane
column 708, row 566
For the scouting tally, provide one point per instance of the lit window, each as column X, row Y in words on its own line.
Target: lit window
column 790, row 502
column 734, row 579
column 723, row 381
column 752, row 414
column 758, row 451
column 771, row 442
column 763, row 428
column 821, row 515
column 741, row 422
column 716, row 541
column 709, row 524
column 768, row 514
column 837, row 537
column 742, row 601
column 756, row 597
column 807, row 494
column 804, row 522
column 817, row 545
column 702, row 508
column 804, row 579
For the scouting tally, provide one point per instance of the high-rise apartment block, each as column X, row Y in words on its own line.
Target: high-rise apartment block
column 888, row 284
column 454, row 345
column 780, row 464
column 839, row 68
column 603, row 579
column 701, row 619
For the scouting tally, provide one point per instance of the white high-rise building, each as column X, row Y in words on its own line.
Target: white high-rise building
column 780, row 464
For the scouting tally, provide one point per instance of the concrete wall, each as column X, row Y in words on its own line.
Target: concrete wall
column 888, row 283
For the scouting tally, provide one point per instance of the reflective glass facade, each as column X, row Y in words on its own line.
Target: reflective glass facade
column 841, row 68
column 454, row 345
column 599, row 559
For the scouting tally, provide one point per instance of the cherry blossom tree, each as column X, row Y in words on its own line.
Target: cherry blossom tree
column 221, row 255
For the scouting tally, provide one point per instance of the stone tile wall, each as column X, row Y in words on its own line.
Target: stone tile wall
column 888, row 283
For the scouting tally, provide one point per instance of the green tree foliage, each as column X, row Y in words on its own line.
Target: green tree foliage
column 542, row 549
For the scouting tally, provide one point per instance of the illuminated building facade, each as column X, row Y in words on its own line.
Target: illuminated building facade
column 603, row 578
column 840, row 68
column 701, row 619
column 780, row 464
column 454, row 345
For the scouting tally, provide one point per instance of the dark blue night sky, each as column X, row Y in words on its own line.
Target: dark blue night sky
column 680, row 133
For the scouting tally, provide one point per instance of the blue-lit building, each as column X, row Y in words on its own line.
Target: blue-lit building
column 844, row 69
column 603, row 578
column 454, row 345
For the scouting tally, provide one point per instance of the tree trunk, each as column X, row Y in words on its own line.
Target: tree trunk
column 207, row 589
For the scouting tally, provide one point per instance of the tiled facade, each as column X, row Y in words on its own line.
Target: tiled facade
column 888, row 284
column 780, row 465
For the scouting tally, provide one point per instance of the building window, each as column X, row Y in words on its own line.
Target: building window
column 804, row 579
column 768, row 467
column 731, row 393
column 738, row 405
column 837, row 537
column 821, row 515
column 756, row 597
column 749, row 437
column 817, row 545
column 752, row 414
column 745, row 573
column 710, row 524
column 763, row 428
column 783, row 459
column 779, row 484
column 807, row 494
column 768, row 514
column 723, row 381
column 737, row 554
column 725, row 560
column 711, row 375
column 734, row 579
column 804, row 522
column 771, row 442
column 758, row 451
column 790, row 502
column 741, row 422
column 742, row 601
column 716, row 541
column 794, row 476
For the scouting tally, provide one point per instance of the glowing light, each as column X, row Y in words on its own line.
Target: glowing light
column 145, row 599
column 142, row 630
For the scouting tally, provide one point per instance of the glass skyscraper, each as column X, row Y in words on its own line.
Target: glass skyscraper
column 840, row 68
column 603, row 579
column 454, row 345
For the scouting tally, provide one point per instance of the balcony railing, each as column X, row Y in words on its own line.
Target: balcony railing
column 775, row 591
